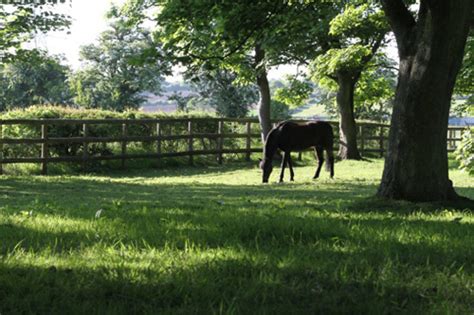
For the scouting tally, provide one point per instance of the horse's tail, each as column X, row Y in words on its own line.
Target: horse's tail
column 330, row 160
column 330, row 151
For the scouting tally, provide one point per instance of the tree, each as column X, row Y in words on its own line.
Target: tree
column 246, row 37
column 465, row 81
column 430, row 46
column 356, row 35
column 295, row 91
column 119, row 68
column 373, row 94
column 35, row 79
column 219, row 90
column 20, row 22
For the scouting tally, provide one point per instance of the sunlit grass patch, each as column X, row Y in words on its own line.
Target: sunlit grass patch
column 215, row 240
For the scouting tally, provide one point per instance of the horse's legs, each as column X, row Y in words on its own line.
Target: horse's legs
column 320, row 153
column 290, row 164
column 283, row 165
column 330, row 167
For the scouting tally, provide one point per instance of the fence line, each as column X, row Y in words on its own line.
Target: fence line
column 369, row 142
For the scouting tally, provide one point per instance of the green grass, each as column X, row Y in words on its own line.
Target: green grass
column 215, row 241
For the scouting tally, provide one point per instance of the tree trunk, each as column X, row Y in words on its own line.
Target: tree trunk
column 431, row 51
column 265, row 97
column 347, row 125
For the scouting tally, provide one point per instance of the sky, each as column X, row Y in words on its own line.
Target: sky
column 88, row 21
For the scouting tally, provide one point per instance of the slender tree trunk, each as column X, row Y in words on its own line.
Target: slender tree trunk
column 265, row 97
column 431, row 51
column 347, row 125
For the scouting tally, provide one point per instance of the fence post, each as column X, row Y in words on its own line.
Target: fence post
column 362, row 138
column 249, row 139
column 220, row 141
column 124, row 143
column 158, row 142
column 85, row 146
column 1, row 148
column 381, row 141
column 190, row 142
column 44, row 149
column 451, row 135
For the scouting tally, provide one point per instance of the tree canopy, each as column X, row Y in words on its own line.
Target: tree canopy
column 20, row 22
column 119, row 68
column 38, row 78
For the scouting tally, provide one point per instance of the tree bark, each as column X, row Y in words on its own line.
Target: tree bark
column 264, row 89
column 431, row 50
column 347, row 125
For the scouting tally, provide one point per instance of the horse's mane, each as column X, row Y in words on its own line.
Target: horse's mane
column 271, row 142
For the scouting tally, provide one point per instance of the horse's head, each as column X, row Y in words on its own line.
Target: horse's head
column 267, row 167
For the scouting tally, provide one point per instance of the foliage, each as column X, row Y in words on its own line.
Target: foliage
column 219, row 90
column 117, row 70
column 97, row 130
column 357, row 33
column 279, row 111
column 20, row 22
column 465, row 79
column 465, row 82
column 465, row 151
column 349, row 59
column 373, row 94
column 181, row 101
column 213, row 240
column 295, row 92
column 36, row 79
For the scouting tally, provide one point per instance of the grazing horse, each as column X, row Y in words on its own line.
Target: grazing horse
column 289, row 136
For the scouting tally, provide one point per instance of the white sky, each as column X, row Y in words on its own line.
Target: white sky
column 88, row 21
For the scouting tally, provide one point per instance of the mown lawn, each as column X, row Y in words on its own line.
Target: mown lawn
column 216, row 241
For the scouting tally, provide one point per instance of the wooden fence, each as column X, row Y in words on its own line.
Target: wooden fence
column 372, row 138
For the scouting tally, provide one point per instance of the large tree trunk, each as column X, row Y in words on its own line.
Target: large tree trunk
column 265, row 97
column 347, row 125
column 431, row 51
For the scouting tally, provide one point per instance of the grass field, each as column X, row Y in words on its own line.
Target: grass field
column 215, row 241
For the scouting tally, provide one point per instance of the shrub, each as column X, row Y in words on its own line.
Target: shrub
column 465, row 151
column 109, row 130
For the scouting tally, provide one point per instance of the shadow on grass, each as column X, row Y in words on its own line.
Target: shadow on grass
column 295, row 249
column 227, row 286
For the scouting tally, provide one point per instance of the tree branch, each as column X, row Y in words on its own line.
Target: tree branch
column 400, row 19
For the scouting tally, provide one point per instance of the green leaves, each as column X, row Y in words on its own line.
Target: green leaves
column 19, row 23
column 126, row 62
column 360, row 22
column 35, row 78
column 465, row 151
column 295, row 93
column 349, row 59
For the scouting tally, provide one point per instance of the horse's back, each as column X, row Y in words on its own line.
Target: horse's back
column 295, row 137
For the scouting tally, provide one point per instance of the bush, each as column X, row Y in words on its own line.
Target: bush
column 465, row 151
column 109, row 130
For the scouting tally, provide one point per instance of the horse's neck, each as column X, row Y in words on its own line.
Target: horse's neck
column 270, row 152
column 271, row 145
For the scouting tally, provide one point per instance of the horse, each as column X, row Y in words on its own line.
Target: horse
column 290, row 136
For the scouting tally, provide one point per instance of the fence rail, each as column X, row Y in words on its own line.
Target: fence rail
column 372, row 138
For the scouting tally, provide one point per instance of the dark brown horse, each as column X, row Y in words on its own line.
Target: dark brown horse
column 289, row 136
